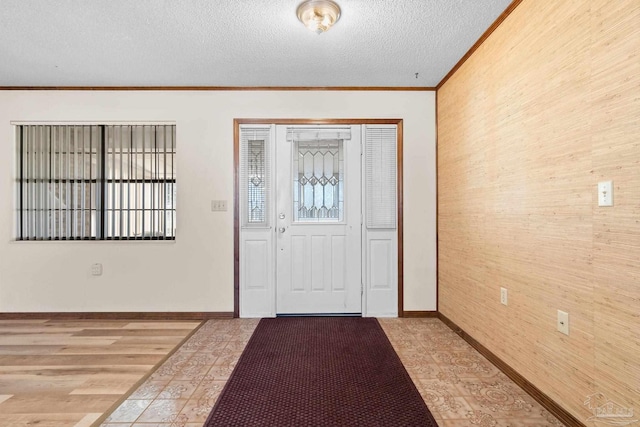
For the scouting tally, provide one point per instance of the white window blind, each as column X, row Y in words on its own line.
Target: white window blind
column 380, row 176
column 255, row 169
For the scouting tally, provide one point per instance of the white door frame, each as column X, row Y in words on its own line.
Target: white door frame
column 237, row 221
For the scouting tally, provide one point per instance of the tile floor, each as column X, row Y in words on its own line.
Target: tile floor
column 460, row 387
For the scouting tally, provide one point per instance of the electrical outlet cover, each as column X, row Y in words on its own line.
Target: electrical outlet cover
column 563, row 322
column 504, row 296
column 96, row 269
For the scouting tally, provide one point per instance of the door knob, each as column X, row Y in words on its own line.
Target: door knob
column 282, row 229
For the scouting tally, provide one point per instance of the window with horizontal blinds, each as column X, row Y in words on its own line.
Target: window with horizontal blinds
column 255, row 175
column 380, row 176
column 98, row 182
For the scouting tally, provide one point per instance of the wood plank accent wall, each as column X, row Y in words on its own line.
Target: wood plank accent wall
column 545, row 108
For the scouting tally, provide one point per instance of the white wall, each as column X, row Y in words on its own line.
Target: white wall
column 195, row 273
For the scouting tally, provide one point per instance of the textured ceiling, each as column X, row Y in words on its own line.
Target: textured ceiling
column 235, row 42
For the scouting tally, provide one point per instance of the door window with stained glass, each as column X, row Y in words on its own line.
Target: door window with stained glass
column 318, row 194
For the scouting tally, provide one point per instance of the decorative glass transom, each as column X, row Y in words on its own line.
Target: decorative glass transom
column 318, row 180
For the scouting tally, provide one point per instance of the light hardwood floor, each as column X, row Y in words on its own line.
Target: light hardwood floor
column 69, row 373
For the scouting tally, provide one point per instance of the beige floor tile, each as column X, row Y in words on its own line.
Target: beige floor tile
column 162, row 410
column 128, row 411
column 178, row 389
column 197, row 410
column 150, row 389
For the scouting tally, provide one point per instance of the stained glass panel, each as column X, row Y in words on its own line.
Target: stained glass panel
column 256, row 182
column 318, row 180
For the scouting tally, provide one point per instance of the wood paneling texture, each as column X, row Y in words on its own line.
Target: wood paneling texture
column 615, row 128
column 548, row 106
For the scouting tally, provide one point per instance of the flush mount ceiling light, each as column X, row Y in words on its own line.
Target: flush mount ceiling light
column 318, row 15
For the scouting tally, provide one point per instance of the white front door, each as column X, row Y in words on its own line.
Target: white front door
column 318, row 220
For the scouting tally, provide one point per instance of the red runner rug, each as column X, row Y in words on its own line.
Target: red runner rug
column 319, row 371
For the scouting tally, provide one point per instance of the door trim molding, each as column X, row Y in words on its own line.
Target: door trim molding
column 236, row 192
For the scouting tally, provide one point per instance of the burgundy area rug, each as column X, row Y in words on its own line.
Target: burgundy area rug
column 319, row 371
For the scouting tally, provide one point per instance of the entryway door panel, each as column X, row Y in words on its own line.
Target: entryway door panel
column 318, row 221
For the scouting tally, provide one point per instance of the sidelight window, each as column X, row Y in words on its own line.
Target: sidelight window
column 254, row 175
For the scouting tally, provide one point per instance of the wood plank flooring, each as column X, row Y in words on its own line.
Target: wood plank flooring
column 68, row 373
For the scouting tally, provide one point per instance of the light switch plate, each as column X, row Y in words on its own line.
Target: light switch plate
column 605, row 193
column 218, row 205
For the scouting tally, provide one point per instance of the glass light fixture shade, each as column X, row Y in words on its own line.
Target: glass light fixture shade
column 318, row 15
